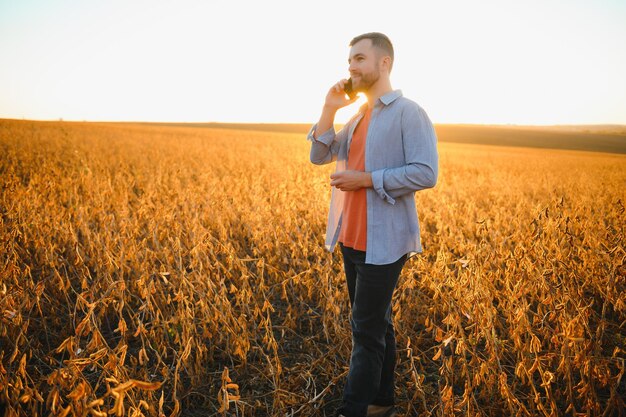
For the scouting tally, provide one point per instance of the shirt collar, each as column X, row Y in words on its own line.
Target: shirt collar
column 390, row 97
column 385, row 99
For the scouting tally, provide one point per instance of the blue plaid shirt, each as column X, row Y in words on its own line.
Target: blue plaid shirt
column 401, row 154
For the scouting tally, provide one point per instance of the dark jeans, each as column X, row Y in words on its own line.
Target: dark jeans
column 373, row 360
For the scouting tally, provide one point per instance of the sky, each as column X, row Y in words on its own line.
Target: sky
column 538, row 62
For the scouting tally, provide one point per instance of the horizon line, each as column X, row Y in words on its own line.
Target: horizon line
column 57, row 120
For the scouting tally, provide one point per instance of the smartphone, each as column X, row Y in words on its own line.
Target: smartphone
column 347, row 88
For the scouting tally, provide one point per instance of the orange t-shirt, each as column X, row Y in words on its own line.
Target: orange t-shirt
column 353, row 233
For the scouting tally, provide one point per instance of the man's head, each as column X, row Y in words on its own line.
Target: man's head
column 380, row 42
column 371, row 57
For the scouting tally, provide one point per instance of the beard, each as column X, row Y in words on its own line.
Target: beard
column 366, row 81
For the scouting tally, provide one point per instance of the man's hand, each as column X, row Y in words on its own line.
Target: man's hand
column 336, row 97
column 351, row 180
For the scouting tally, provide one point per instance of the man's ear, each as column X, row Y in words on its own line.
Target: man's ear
column 386, row 63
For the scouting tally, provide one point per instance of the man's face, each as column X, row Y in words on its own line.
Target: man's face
column 364, row 65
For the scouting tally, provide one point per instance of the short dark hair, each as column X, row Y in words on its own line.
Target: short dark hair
column 379, row 40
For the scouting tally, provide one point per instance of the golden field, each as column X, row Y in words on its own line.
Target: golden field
column 163, row 271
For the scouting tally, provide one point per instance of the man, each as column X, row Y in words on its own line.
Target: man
column 385, row 153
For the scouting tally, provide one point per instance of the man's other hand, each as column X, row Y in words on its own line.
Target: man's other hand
column 351, row 180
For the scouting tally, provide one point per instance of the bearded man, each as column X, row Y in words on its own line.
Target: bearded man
column 383, row 155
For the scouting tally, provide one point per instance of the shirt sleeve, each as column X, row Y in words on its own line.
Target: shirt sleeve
column 325, row 148
column 420, row 171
